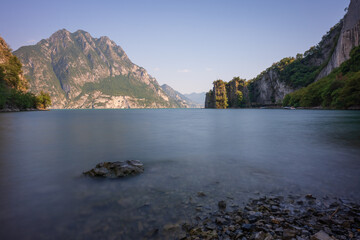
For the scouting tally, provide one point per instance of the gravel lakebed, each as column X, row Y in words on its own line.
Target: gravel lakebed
column 273, row 217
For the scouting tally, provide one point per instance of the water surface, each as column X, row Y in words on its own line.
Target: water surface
column 227, row 154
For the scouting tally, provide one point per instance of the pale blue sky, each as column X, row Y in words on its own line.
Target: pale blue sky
column 186, row 43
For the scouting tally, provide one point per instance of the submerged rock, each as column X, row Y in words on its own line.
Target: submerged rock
column 116, row 169
column 222, row 205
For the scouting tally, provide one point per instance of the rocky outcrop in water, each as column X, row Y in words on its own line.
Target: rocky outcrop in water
column 80, row 71
column 232, row 94
column 116, row 169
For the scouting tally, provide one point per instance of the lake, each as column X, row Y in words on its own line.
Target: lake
column 230, row 155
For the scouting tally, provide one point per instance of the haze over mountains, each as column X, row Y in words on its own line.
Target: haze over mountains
column 198, row 98
column 80, row 71
column 180, row 99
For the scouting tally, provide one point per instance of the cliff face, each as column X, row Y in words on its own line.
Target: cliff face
column 269, row 89
column 349, row 38
column 80, row 71
column 289, row 74
column 179, row 98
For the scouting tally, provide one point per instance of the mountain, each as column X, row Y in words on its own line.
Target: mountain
column 179, row 98
column 198, row 98
column 293, row 73
column 80, row 71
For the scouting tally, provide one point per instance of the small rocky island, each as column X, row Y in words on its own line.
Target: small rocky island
column 116, row 169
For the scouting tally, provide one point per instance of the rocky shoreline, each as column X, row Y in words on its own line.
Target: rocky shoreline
column 4, row 110
column 277, row 217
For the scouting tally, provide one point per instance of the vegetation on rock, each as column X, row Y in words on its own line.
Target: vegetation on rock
column 14, row 86
column 232, row 94
column 338, row 90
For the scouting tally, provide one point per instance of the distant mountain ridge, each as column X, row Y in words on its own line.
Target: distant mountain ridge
column 198, row 98
column 179, row 98
column 80, row 71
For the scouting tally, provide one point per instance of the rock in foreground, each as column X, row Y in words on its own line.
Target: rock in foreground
column 116, row 169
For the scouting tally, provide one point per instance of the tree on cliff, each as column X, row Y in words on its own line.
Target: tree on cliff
column 13, row 85
column 220, row 94
column 339, row 90
column 239, row 97
column 43, row 100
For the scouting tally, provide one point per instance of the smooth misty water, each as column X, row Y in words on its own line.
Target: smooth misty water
column 227, row 154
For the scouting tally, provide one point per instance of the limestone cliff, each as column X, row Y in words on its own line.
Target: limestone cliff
column 268, row 89
column 80, row 71
column 349, row 38
column 289, row 74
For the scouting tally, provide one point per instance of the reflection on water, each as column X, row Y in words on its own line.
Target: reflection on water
column 230, row 154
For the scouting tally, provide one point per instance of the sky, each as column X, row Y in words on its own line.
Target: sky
column 186, row 44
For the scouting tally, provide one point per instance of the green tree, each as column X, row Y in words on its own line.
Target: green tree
column 240, row 98
column 43, row 100
column 220, row 94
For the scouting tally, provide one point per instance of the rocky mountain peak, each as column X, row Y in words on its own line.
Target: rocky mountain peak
column 106, row 41
column 80, row 71
column 62, row 34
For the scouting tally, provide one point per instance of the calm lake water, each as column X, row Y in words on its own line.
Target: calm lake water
column 230, row 155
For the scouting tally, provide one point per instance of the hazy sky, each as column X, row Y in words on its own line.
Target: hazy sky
column 185, row 43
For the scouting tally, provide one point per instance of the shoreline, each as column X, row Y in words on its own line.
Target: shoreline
column 298, row 108
column 278, row 217
column 10, row 110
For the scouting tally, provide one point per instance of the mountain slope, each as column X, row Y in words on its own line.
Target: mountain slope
column 80, row 71
column 179, row 98
column 339, row 90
